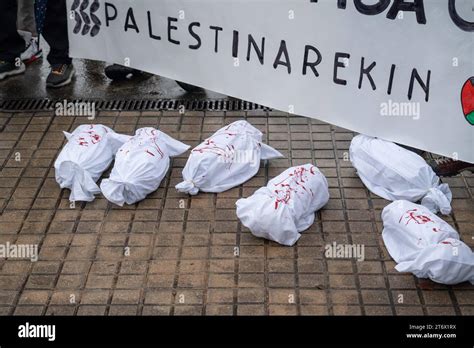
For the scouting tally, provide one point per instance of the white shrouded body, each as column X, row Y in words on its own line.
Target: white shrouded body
column 286, row 206
column 140, row 166
column 88, row 153
column 394, row 173
column 448, row 262
column 408, row 228
column 422, row 243
column 230, row 157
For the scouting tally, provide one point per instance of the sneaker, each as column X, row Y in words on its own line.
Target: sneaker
column 445, row 166
column 119, row 73
column 60, row 75
column 32, row 51
column 10, row 69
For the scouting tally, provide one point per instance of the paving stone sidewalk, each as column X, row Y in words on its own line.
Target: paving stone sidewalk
column 172, row 254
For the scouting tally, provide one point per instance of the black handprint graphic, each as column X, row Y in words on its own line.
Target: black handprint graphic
column 84, row 15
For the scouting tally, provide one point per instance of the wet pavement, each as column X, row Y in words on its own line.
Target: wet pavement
column 91, row 82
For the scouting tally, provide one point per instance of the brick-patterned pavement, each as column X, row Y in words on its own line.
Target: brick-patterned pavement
column 176, row 255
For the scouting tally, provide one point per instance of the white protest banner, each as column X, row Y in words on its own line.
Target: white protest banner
column 399, row 70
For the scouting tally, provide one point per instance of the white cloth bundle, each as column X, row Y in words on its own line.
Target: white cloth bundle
column 230, row 157
column 422, row 243
column 286, row 206
column 409, row 228
column 88, row 153
column 448, row 262
column 394, row 173
column 140, row 165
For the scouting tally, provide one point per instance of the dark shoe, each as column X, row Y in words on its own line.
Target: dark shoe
column 445, row 166
column 10, row 69
column 119, row 73
column 60, row 75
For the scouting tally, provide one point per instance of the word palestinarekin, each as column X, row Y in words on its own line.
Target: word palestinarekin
column 255, row 48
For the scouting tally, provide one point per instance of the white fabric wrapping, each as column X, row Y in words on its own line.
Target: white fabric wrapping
column 448, row 262
column 408, row 228
column 140, row 166
column 88, row 153
column 422, row 243
column 286, row 206
column 230, row 157
column 394, row 173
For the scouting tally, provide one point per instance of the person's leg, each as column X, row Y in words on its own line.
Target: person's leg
column 11, row 43
column 26, row 25
column 55, row 33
